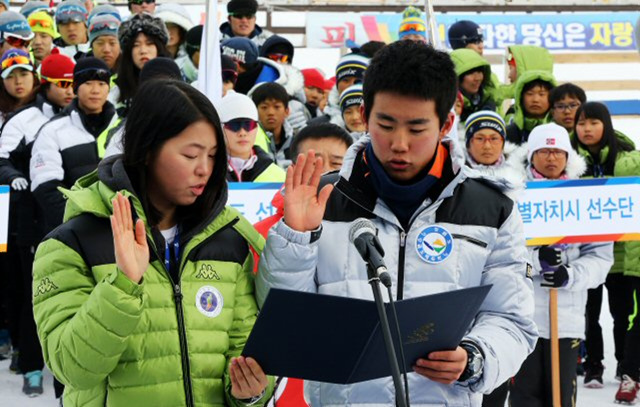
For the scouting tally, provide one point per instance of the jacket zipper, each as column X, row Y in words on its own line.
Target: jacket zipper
column 471, row 240
column 403, row 244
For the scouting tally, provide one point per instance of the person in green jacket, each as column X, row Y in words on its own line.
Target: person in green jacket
column 475, row 84
column 521, row 59
column 532, row 104
column 144, row 296
column 608, row 154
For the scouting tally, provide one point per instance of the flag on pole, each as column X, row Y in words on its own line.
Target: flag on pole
column 432, row 26
column 209, row 70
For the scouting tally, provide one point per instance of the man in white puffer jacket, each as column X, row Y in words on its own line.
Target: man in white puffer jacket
column 413, row 186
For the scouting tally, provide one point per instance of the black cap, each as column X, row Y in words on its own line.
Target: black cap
column 242, row 7
column 90, row 69
column 160, row 67
column 194, row 40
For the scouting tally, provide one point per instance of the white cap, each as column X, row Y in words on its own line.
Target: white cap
column 548, row 136
column 237, row 106
column 174, row 13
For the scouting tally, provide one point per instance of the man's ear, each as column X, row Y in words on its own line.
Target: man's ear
column 286, row 111
column 364, row 117
column 448, row 125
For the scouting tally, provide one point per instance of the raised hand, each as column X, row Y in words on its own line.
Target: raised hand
column 131, row 249
column 303, row 205
column 247, row 378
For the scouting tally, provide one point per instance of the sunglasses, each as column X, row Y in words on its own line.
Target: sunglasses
column 240, row 16
column 413, row 27
column 236, row 125
column 281, row 58
column 42, row 23
column 139, row 2
column 104, row 26
column 15, row 59
column 16, row 42
column 60, row 83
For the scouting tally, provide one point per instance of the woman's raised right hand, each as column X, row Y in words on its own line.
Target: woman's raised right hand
column 130, row 246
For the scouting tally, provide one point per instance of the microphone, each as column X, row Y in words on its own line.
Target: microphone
column 363, row 236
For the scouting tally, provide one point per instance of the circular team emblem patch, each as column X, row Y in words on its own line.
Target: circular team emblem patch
column 434, row 244
column 209, row 301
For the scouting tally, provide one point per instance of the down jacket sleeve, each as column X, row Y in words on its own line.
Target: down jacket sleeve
column 504, row 327
column 83, row 325
column 11, row 140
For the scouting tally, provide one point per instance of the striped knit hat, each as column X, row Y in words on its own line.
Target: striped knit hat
column 351, row 65
column 352, row 96
column 484, row 119
column 412, row 23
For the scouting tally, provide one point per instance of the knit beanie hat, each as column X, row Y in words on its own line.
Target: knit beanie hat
column 105, row 9
column 14, row 24
column 13, row 59
column 90, row 69
column 71, row 11
column 352, row 96
column 174, row 13
column 242, row 7
column 241, row 49
column 103, row 24
column 142, row 23
column 194, row 40
column 548, row 136
column 351, row 65
column 464, row 32
column 237, row 106
column 484, row 119
column 57, row 66
column 160, row 67
column 32, row 6
column 277, row 45
column 42, row 22
column 313, row 78
column 412, row 23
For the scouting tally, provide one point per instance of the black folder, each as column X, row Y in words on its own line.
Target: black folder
column 338, row 339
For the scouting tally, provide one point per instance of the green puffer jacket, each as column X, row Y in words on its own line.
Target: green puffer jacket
column 160, row 343
column 528, row 58
column 626, row 254
column 466, row 60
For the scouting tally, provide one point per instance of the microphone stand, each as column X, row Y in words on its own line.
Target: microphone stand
column 374, row 280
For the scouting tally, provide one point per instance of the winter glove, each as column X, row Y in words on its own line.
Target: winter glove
column 550, row 257
column 19, row 184
column 297, row 119
column 556, row 278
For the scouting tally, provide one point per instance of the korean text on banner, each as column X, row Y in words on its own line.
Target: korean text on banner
column 253, row 199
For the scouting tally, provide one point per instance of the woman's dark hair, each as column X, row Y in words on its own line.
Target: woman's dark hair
column 598, row 111
column 128, row 73
column 160, row 111
column 9, row 104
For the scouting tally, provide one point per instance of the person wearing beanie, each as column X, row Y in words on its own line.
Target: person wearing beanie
column 412, row 27
column 178, row 22
column 350, row 106
column 314, row 89
column 44, row 31
column 474, row 75
column 70, row 146
column 241, row 22
column 103, row 38
column 33, row 6
column 15, row 31
column 466, row 34
column 246, row 161
column 570, row 269
column 71, row 20
column 229, row 73
column 105, row 9
column 189, row 66
column 278, row 49
column 142, row 6
column 142, row 38
column 56, row 82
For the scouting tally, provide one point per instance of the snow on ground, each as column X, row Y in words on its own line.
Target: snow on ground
column 11, row 384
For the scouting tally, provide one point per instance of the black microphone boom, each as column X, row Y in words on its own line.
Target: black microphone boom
column 363, row 236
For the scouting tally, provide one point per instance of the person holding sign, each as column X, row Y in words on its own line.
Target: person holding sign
column 571, row 269
column 442, row 229
column 144, row 296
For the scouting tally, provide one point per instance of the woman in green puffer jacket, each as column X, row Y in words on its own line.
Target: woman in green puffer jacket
column 608, row 154
column 158, row 317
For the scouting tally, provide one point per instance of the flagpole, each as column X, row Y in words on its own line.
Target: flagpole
column 434, row 39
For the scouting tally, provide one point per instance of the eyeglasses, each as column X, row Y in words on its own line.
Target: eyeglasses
column 139, row 2
column 61, row 83
column 41, row 22
column 236, row 125
column 281, row 58
column 16, row 42
column 15, row 59
column 493, row 140
column 240, row 16
column 564, row 107
column 547, row 152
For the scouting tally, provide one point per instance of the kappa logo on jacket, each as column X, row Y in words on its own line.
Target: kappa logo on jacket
column 207, row 273
column 45, row 286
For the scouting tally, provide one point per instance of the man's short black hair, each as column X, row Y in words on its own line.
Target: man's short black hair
column 568, row 89
column 318, row 131
column 414, row 69
column 535, row 83
column 371, row 48
column 270, row 90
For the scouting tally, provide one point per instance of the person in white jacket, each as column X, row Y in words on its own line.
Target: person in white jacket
column 571, row 269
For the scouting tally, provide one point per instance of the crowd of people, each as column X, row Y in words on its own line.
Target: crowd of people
column 118, row 170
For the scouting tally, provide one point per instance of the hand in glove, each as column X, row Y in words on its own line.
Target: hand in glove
column 297, row 119
column 19, row 184
column 550, row 257
column 556, row 278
